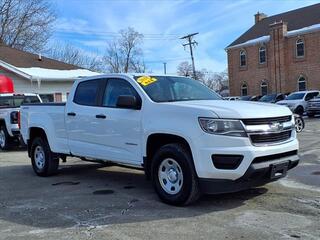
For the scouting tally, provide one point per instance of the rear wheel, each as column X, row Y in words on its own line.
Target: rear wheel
column 173, row 175
column 44, row 162
column 5, row 139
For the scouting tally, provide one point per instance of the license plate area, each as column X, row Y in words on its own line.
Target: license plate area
column 279, row 170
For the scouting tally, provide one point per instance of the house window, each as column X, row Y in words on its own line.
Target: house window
column 243, row 58
column 299, row 48
column 244, row 89
column 262, row 55
column 302, row 84
column 264, row 88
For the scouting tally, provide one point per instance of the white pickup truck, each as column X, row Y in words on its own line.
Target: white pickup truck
column 9, row 107
column 182, row 134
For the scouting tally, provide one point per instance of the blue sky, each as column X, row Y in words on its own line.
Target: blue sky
column 90, row 24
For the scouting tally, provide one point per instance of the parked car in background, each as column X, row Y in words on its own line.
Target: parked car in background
column 245, row 98
column 141, row 121
column 9, row 107
column 298, row 101
column 272, row 98
column 232, row 98
column 256, row 98
column 313, row 107
column 250, row 98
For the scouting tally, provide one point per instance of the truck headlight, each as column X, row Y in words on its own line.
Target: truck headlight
column 222, row 127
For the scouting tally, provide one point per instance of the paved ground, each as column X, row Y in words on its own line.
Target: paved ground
column 86, row 201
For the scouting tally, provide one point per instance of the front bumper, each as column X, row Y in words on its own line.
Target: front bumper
column 257, row 174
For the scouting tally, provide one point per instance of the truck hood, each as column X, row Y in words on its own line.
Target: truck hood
column 238, row 109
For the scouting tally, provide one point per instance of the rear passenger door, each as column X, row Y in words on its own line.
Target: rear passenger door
column 80, row 118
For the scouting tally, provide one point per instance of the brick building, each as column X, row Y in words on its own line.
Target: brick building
column 280, row 53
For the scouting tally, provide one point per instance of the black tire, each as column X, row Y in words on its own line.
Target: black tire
column 299, row 110
column 7, row 140
column 50, row 162
column 189, row 191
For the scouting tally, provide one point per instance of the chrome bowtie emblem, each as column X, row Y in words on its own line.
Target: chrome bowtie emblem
column 276, row 126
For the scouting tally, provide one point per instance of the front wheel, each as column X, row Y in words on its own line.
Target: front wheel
column 44, row 162
column 299, row 124
column 173, row 175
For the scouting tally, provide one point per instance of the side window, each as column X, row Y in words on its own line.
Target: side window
column 116, row 88
column 311, row 96
column 86, row 93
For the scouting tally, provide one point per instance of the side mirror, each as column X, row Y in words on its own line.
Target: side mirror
column 128, row 101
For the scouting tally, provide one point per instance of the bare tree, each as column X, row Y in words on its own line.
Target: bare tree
column 26, row 24
column 67, row 53
column 184, row 69
column 124, row 54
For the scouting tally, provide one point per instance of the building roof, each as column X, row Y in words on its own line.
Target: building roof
column 296, row 19
column 29, row 66
column 24, row 59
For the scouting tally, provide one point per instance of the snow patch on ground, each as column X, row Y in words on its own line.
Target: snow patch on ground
column 294, row 184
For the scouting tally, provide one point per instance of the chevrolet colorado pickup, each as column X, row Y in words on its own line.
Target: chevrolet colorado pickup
column 182, row 134
column 9, row 107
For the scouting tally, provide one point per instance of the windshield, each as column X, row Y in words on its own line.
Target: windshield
column 268, row 98
column 172, row 89
column 295, row 96
column 17, row 101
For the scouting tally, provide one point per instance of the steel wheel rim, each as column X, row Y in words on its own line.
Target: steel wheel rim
column 39, row 157
column 2, row 139
column 299, row 125
column 170, row 176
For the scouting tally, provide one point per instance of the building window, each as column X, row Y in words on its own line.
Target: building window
column 262, row 55
column 264, row 88
column 244, row 89
column 243, row 58
column 299, row 48
column 302, row 84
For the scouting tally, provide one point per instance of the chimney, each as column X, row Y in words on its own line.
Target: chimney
column 258, row 17
column 39, row 57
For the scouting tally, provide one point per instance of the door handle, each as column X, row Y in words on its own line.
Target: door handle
column 71, row 114
column 101, row 116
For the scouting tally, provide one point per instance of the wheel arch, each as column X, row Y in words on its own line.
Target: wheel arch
column 157, row 140
column 33, row 133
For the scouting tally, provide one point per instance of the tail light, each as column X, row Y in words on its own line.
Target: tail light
column 14, row 117
column 19, row 120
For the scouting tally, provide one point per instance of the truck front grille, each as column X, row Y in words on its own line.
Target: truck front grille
column 270, row 138
column 261, row 121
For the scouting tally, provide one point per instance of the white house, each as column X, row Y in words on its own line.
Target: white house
column 32, row 73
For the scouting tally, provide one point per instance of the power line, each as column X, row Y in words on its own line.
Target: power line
column 191, row 44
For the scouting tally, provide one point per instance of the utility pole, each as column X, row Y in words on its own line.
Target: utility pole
column 165, row 68
column 191, row 43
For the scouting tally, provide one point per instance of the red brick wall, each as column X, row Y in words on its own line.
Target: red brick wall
column 281, row 64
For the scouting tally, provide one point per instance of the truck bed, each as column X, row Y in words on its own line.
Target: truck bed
column 50, row 114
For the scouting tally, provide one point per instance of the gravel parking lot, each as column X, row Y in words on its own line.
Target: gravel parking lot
column 89, row 201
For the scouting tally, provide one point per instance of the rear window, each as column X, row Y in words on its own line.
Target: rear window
column 17, row 101
column 86, row 93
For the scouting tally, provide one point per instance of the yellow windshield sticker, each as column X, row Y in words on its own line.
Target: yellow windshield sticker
column 146, row 80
